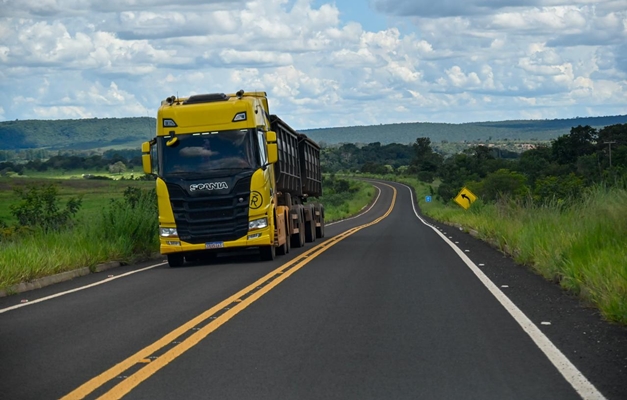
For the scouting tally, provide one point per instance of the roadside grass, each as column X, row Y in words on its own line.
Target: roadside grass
column 581, row 245
column 341, row 205
column 120, row 232
column 107, row 227
column 96, row 193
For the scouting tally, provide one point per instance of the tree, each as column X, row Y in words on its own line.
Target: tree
column 503, row 182
column 117, row 168
column 613, row 137
column 426, row 162
column 580, row 142
column 535, row 163
column 374, row 168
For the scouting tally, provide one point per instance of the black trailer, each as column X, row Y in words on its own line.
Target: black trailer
column 298, row 177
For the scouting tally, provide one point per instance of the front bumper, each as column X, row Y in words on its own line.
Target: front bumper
column 264, row 238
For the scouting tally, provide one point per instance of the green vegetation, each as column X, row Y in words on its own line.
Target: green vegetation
column 123, row 229
column 39, row 208
column 95, row 194
column 343, row 198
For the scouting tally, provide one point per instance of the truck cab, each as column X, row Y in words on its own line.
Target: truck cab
column 213, row 157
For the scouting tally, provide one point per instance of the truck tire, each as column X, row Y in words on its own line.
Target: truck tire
column 267, row 253
column 176, row 260
column 298, row 240
column 310, row 231
column 320, row 229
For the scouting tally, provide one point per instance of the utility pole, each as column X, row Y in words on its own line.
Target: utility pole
column 610, row 146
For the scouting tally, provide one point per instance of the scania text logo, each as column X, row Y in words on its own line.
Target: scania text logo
column 208, row 186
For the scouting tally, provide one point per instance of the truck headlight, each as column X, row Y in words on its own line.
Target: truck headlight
column 258, row 223
column 168, row 232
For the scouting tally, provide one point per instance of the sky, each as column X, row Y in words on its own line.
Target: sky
column 322, row 63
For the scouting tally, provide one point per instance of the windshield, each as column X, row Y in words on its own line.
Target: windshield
column 205, row 152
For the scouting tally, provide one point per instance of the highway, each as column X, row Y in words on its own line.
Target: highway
column 387, row 306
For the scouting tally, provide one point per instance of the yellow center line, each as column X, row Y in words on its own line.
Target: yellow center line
column 141, row 357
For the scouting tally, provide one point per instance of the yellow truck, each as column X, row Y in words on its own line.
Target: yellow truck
column 230, row 175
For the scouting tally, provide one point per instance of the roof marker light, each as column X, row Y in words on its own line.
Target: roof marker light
column 240, row 117
column 169, row 123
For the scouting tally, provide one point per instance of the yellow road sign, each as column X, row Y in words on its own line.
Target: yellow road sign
column 465, row 198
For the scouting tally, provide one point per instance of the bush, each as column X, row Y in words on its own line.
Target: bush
column 39, row 208
column 133, row 222
column 426, row 176
column 502, row 183
column 558, row 188
column 447, row 192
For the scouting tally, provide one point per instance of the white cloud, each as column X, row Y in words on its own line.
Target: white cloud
column 234, row 57
column 363, row 57
column 449, row 61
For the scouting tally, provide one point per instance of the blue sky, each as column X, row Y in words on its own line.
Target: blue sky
column 360, row 10
column 323, row 63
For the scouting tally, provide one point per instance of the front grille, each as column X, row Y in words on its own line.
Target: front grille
column 211, row 217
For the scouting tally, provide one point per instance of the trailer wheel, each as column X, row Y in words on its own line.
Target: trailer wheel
column 310, row 231
column 268, row 253
column 298, row 239
column 176, row 260
column 320, row 229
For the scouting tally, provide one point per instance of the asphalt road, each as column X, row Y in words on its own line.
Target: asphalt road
column 384, row 307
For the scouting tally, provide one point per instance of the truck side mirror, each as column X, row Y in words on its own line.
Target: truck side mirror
column 146, row 158
column 273, row 150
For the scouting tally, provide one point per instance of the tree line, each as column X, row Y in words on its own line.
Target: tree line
column 558, row 170
column 110, row 160
column 570, row 163
column 555, row 172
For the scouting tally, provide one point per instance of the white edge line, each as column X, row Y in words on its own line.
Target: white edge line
column 78, row 289
column 577, row 380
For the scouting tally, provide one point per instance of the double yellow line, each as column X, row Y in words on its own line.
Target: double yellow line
column 146, row 363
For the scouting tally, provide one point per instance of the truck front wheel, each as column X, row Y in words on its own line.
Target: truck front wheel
column 176, row 260
column 267, row 252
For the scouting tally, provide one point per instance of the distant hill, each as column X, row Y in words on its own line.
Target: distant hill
column 104, row 133
column 76, row 134
column 408, row 132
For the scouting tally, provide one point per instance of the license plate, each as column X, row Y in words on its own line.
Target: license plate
column 214, row 245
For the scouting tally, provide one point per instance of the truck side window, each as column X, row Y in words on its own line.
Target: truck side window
column 262, row 147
